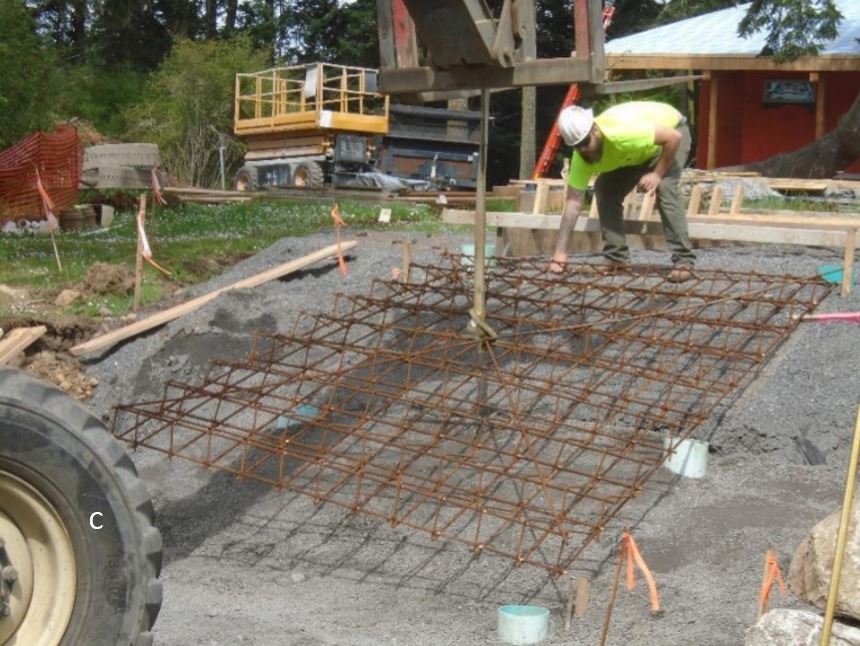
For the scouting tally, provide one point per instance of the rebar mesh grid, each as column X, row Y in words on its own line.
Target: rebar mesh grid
column 525, row 446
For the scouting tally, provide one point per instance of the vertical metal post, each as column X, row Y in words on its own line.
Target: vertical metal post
column 479, row 305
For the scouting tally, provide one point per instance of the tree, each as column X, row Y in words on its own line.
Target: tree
column 823, row 158
column 190, row 106
column 795, row 28
column 28, row 78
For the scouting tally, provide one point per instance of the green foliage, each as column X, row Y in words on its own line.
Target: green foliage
column 189, row 106
column 794, row 28
column 100, row 96
column 28, row 76
column 321, row 30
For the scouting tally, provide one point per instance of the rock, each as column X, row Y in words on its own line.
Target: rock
column 297, row 577
column 67, row 297
column 11, row 294
column 783, row 627
column 809, row 574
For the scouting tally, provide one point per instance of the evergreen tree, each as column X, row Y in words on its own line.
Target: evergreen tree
column 29, row 75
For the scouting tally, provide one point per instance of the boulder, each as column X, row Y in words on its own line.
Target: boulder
column 784, row 627
column 810, row 571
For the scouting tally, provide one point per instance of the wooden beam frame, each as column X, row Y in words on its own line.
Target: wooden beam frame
column 745, row 62
column 546, row 71
column 712, row 121
column 802, row 232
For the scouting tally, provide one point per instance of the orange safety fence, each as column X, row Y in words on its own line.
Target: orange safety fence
column 55, row 157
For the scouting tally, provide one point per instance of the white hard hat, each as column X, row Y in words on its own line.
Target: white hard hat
column 575, row 123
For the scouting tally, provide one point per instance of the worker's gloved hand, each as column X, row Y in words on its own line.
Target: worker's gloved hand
column 649, row 182
column 559, row 260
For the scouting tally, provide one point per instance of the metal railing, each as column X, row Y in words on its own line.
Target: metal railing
column 304, row 92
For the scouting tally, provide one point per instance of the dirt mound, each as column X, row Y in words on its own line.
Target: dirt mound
column 63, row 371
column 104, row 278
column 88, row 134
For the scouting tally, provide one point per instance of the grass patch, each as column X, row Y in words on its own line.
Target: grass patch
column 194, row 241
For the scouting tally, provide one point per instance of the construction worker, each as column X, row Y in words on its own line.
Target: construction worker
column 642, row 144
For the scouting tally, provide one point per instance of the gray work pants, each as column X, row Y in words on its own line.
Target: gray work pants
column 611, row 188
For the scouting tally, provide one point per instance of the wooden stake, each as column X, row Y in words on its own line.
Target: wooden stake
column 568, row 611
column 138, row 259
column 848, row 262
column 612, row 594
column 842, row 534
column 407, row 262
column 582, row 590
column 56, row 253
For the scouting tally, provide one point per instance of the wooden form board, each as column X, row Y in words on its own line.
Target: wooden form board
column 18, row 340
column 730, row 229
column 138, row 327
column 699, row 176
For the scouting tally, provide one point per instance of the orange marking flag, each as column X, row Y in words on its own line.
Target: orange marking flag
column 772, row 574
column 156, row 187
column 629, row 549
column 338, row 223
column 146, row 252
column 47, row 203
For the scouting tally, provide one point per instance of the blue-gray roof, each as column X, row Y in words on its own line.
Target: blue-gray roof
column 716, row 33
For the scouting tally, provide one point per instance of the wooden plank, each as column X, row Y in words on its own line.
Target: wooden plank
column 19, row 340
column 695, row 200
column 737, row 199
column 541, row 196
column 716, row 200
column 701, row 228
column 848, row 262
column 112, row 338
column 744, row 62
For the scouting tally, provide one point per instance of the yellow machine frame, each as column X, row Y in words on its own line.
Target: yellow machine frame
column 308, row 98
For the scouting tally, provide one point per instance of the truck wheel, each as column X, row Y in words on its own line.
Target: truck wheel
column 247, row 179
column 308, row 175
column 79, row 556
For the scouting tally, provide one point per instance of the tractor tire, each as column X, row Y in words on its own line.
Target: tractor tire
column 247, row 179
column 79, row 556
column 308, row 174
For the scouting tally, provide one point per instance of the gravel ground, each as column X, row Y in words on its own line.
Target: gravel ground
column 247, row 565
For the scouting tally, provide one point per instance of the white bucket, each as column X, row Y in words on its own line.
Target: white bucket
column 523, row 624
column 689, row 459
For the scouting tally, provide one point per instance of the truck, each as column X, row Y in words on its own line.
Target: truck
column 307, row 126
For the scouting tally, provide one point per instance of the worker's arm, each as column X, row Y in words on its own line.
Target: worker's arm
column 670, row 140
column 573, row 200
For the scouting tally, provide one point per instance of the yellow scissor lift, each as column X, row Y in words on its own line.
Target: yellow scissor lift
column 307, row 123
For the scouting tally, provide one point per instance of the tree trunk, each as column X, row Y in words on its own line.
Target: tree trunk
column 211, row 18
column 820, row 159
column 79, row 24
column 230, row 18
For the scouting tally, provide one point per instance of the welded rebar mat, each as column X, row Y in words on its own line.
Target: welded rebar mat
column 524, row 446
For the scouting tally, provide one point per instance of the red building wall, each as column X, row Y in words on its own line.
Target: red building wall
column 749, row 130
